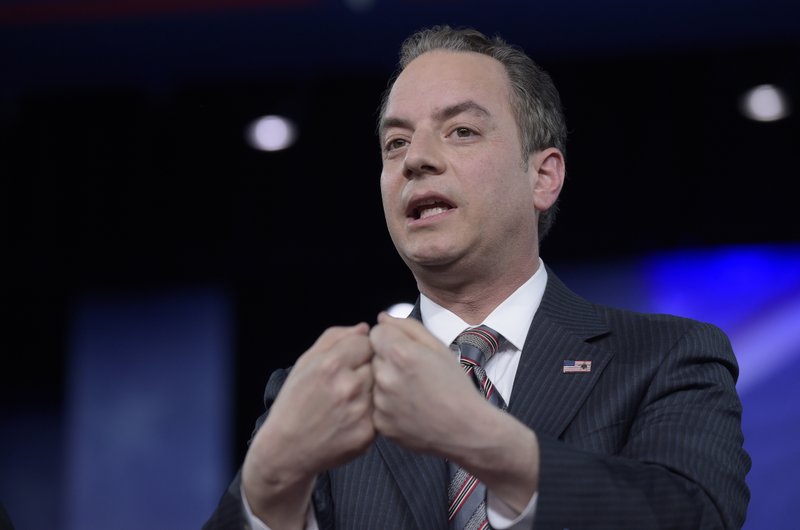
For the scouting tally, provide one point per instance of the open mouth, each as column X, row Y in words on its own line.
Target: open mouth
column 429, row 208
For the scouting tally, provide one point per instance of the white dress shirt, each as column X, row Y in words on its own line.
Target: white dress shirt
column 511, row 319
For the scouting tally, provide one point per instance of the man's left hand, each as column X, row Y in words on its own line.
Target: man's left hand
column 421, row 393
column 423, row 400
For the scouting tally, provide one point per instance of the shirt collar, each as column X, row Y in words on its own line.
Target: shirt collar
column 512, row 318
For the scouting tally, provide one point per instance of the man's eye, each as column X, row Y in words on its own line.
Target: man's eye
column 464, row 132
column 397, row 143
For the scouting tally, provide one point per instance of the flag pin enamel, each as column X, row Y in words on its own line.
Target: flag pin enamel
column 575, row 367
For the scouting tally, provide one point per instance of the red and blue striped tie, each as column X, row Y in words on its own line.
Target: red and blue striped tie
column 466, row 494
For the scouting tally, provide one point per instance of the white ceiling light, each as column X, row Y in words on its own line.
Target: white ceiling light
column 271, row 133
column 765, row 103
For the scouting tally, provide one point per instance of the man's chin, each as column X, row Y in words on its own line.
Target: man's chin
column 433, row 261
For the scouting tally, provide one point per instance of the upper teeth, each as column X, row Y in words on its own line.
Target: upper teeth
column 433, row 210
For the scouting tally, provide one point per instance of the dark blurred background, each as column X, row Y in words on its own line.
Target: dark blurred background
column 154, row 258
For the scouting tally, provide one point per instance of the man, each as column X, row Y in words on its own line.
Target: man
column 605, row 418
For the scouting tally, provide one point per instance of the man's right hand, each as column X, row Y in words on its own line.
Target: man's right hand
column 321, row 418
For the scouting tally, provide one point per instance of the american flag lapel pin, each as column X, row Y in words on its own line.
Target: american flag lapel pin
column 574, row 367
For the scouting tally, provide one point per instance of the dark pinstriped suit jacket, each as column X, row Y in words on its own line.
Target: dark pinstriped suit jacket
column 650, row 438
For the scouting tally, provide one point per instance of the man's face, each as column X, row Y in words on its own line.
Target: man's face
column 454, row 189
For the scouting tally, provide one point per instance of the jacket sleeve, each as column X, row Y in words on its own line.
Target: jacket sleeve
column 681, row 463
column 230, row 512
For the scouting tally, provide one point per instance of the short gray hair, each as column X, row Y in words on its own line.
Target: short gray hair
column 534, row 98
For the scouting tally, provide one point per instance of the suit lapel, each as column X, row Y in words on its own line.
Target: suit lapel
column 423, row 481
column 545, row 398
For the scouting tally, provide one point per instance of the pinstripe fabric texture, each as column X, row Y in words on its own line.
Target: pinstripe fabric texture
column 650, row 438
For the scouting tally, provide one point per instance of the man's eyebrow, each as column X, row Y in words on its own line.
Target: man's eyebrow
column 440, row 115
column 387, row 123
column 460, row 108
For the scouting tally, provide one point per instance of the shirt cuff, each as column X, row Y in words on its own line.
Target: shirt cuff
column 258, row 524
column 503, row 517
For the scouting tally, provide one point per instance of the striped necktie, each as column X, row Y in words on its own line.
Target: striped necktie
column 466, row 495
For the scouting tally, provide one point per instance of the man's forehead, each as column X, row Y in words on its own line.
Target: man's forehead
column 438, row 80
column 442, row 67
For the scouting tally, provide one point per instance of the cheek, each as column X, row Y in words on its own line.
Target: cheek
column 390, row 196
column 505, row 187
column 386, row 189
column 493, row 178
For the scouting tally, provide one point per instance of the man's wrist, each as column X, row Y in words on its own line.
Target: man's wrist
column 503, row 517
column 505, row 457
column 279, row 500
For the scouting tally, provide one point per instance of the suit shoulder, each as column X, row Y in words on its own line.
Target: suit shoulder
column 660, row 333
column 626, row 318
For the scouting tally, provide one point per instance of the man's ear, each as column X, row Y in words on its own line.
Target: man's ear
column 547, row 168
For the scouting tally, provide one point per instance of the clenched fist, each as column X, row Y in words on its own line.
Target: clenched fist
column 321, row 418
column 421, row 390
column 425, row 402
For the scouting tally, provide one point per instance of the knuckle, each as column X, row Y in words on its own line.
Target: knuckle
column 398, row 354
column 357, row 343
column 382, row 378
column 380, row 402
column 350, row 387
column 330, row 365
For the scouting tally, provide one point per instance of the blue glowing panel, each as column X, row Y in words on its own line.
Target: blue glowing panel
column 148, row 395
column 753, row 293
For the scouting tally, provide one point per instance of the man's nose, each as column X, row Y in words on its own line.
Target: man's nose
column 423, row 156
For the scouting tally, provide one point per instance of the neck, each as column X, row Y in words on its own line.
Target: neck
column 475, row 298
